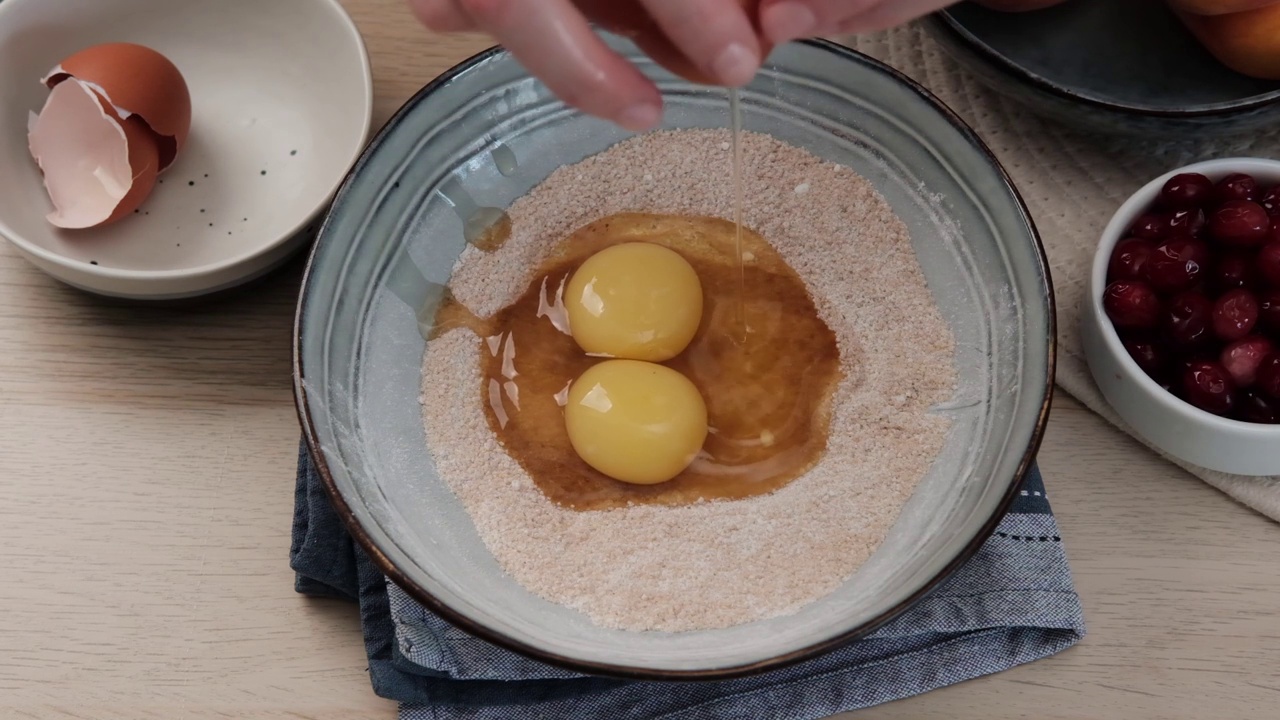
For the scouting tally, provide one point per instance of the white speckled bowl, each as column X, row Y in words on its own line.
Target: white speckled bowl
column 282, row 102
column 358, row 353
column 1176, row 427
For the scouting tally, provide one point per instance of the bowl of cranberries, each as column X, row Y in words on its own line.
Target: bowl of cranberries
column 1182, row 327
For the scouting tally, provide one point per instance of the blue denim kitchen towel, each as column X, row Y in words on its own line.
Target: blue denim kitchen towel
column 1012, row 603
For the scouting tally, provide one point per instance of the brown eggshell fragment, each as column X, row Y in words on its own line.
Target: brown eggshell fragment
column 136, row 80
column 144, row 161
column 97, row 168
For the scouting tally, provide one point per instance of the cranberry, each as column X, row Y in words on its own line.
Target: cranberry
column 1188, row 190
column 1237, row 186
column 1269, row 311
column 1240, row 222
column 1252, row 406
column 1131, row 305
column 1270, row 201
column 1187, row 361
column 1186, row 222
column 1208, row 386
column 1150, row 227
column 1234, row 270
column 1268, row 379
column 1176, row 264
column 1187, row 320
column 1269, row 263
column 1243, row 357
column 1234, row 314
column 1149, row 356
column 1128, row 258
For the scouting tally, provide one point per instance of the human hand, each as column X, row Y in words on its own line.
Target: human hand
column 713, row 41
column 719, row 42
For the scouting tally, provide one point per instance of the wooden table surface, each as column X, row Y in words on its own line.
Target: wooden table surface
column 146, row 490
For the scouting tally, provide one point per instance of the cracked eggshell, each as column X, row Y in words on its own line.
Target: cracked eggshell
column 136, row 81
column 144, row 161
column 97, row 166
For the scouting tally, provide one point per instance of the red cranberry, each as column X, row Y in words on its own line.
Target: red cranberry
column 1128, row 258
column 1150, row 226
column 1234, row 270
column 1237, row 186
column 1186, row 222
column 1187, row 361
column 1240, row 222
column 1242, row 358
column 1269, row 263
column 1270, row 201
column 1268, row 378
column 1188, row 190
column 1187, row 320
column 1234, row 314
column 1131, row 305
column 1149, row 356
column 1208, row 386
column 1252, row 406
column 1176, row 264
column 1269, row 311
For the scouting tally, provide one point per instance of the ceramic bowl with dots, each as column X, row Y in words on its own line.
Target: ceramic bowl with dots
column 281, row 98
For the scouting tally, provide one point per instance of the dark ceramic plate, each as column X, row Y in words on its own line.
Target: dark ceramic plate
column 1120, row 66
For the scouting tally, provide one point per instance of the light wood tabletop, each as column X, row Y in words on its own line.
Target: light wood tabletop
column 146, row 491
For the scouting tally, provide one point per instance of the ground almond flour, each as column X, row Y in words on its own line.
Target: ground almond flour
column 717, row 564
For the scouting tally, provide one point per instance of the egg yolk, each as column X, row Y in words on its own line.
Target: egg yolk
column 637, row 301
column 635, row 421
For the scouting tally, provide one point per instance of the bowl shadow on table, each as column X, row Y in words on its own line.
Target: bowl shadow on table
column 233, row 346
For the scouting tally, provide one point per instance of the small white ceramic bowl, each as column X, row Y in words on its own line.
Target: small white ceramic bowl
column 282, row 102
column 1176, row 427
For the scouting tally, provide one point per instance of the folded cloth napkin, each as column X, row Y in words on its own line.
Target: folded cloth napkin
column 1012, row 603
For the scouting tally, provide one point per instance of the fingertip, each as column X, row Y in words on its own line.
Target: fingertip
column 786, row 21
column 640, row 117
column 736, row 65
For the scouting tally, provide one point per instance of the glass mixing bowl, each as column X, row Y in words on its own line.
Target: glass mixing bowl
column 393, row 231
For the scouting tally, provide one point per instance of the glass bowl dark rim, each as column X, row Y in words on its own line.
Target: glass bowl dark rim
column 971, row 546
column 943, row 22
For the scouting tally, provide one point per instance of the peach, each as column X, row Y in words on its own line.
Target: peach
column 1218, row 7
column 1247, row 42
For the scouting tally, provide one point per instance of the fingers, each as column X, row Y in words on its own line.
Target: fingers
column 554, row 42
column 442, row 16
column 890, row 14
column 717, row 36
column 786, row 20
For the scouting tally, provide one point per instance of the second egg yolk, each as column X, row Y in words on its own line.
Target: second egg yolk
column 636, row 300
column 637, row 422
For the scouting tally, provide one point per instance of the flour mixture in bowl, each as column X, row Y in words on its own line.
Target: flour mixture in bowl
column 819, row 415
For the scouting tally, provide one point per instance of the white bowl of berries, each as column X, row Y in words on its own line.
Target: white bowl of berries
column 1182, row 324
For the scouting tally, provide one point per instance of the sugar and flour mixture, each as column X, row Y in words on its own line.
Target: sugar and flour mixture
column 711, row 564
